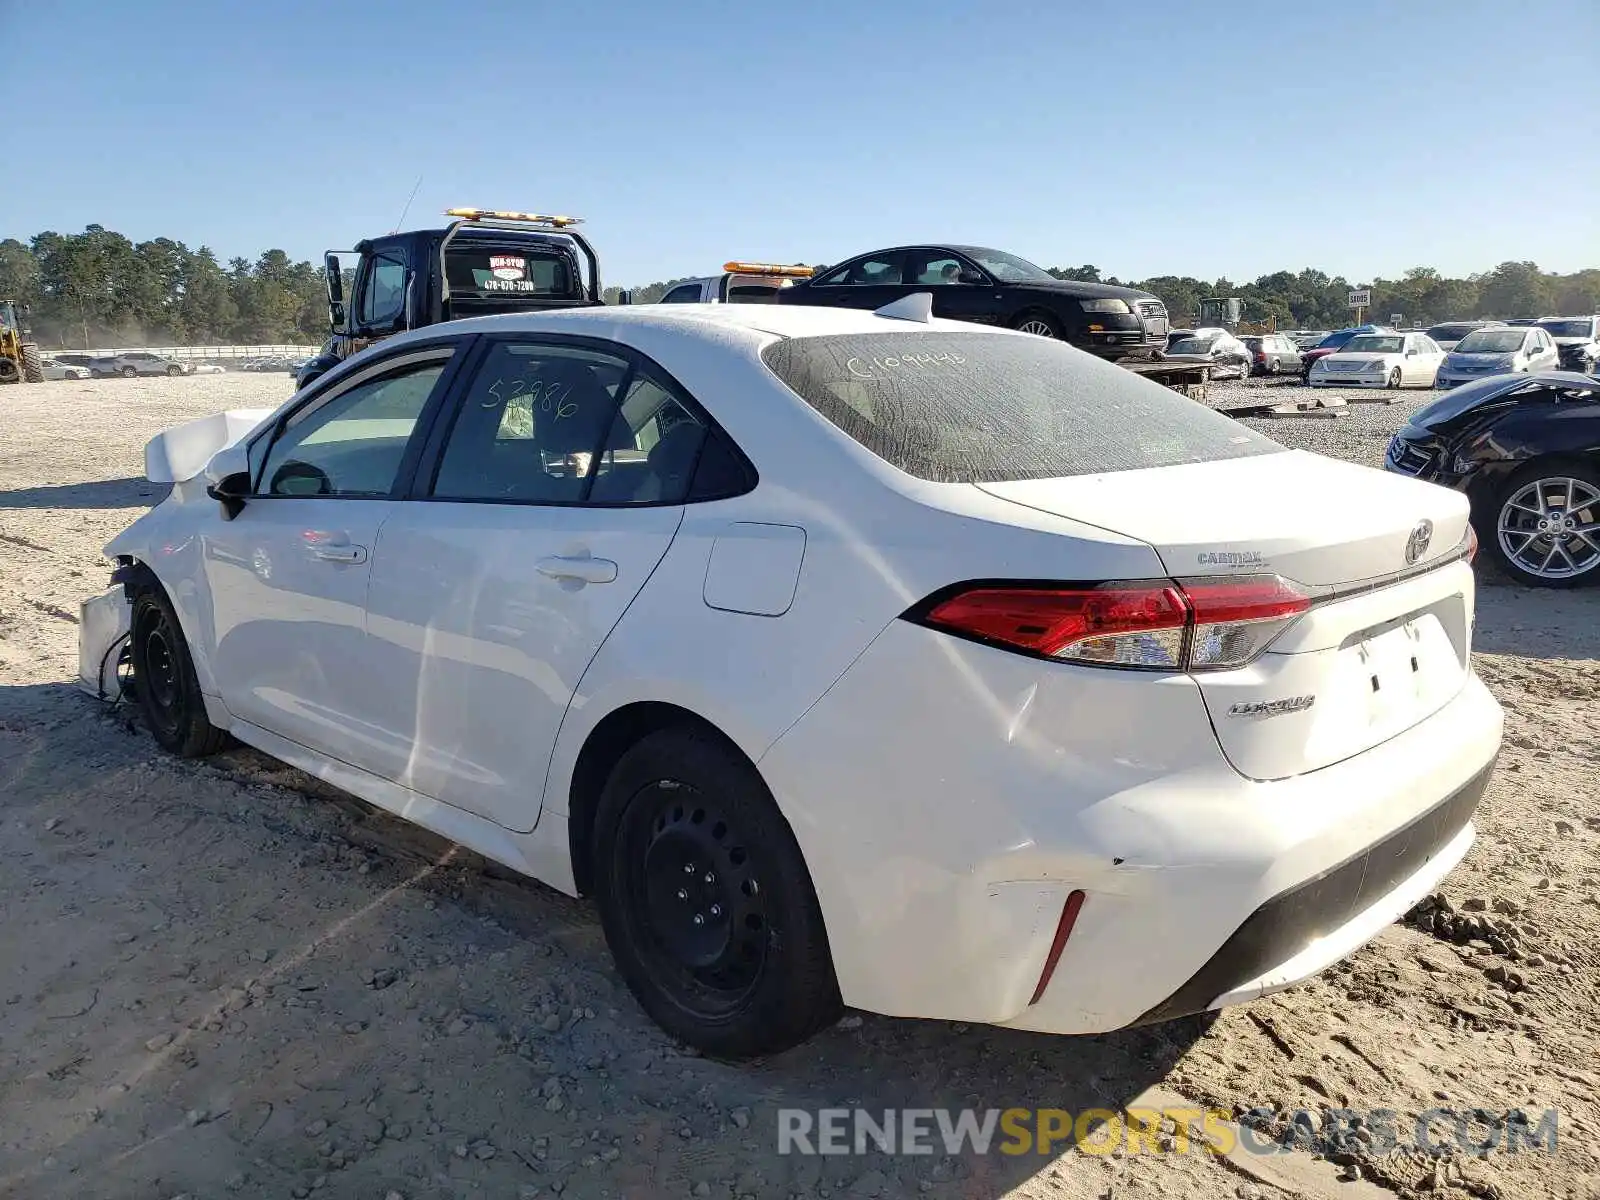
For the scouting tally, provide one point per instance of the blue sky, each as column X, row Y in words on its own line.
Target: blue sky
column 1147, row 138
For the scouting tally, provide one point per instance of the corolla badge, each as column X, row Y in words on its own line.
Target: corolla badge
column 1417, row 543
column 1272, row 708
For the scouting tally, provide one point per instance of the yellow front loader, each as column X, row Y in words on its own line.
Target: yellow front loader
column 20, row 361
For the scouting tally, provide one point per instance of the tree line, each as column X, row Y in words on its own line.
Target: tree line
column 98, row 287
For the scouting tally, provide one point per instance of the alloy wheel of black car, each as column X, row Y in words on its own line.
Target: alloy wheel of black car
column 1547, row 529
column 706, row 902
column 1037, row 324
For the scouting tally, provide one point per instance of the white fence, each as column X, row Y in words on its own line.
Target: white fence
column 205, row 353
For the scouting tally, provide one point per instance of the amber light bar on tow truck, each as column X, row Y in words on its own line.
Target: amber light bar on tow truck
column 495, row 214
column 755, row 268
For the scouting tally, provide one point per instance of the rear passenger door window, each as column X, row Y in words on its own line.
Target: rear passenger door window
column 532, row 425
column 653, row 447
column 688, row 293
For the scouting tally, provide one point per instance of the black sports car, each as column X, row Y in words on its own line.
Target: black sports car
column 991, row 287
column 1526, row 451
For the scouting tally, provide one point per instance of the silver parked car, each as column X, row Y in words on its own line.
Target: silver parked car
column 138, row 362
column 1499, row 350
column 1229, row 356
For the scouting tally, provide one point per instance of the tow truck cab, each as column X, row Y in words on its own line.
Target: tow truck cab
column 485, row 261
column 739, row 283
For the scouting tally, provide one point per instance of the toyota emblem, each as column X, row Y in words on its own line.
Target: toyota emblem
column 1417, row 543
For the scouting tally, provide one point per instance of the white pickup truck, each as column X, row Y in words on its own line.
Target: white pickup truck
column 739, row 283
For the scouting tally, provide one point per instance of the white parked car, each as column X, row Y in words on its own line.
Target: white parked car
column 209, row 369
column 842, row 657
column 1500, row 350
column 54, row 369
column 1383, row 360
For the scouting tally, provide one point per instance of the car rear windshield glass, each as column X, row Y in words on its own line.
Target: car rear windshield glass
column 1450, row 333
column 1574, row 329
column 1492, row 341
column 508, row 272
column 988, row 407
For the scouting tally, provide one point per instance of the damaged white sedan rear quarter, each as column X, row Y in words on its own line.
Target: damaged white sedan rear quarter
column 842, row 657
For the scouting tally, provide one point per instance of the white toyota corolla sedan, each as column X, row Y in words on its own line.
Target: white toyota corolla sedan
column 842, row 657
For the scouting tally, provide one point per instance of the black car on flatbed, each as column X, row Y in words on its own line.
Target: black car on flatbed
column 992, row 287
column 485, row 261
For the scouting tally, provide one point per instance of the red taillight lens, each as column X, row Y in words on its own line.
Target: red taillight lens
column 1114, row 624
column 1194, row 624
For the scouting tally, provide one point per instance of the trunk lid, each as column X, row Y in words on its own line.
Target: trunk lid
column 1387, row 641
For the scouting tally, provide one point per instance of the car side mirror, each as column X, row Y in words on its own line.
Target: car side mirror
column 228, row 479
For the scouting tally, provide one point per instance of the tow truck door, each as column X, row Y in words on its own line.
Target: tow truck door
column 383, row 288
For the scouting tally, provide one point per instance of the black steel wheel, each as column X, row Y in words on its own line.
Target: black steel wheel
column 706, row 901
column 165, row 683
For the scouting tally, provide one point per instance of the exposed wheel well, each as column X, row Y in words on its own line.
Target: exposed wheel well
column 135, row 577
column 608, row 742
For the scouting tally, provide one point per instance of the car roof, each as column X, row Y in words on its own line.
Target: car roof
column 756, row 321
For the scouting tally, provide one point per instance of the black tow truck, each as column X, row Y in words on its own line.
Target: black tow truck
column 485, row 261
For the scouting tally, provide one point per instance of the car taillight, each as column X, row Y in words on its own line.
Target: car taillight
column 1236, row 618
column 1153, row 625
column 1110, row 624
column 1472, row 542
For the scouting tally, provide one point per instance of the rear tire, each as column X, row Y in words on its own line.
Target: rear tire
column 1555, row 557
column 32, row 363
column 10, row 372
column 129, row 372
column 165, row 682
column 706, row 901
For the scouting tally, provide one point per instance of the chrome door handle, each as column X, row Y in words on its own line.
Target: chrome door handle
column 340, row 554
column 585, row 570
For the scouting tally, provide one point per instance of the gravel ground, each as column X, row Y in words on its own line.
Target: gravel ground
column 228, row 979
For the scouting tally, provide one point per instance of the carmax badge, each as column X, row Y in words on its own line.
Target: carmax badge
column 1272, row 708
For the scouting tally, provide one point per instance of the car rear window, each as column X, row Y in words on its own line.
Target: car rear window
column 990, row 407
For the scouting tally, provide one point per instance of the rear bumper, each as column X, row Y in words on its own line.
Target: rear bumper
column 1300, row 931
column 949, row 797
